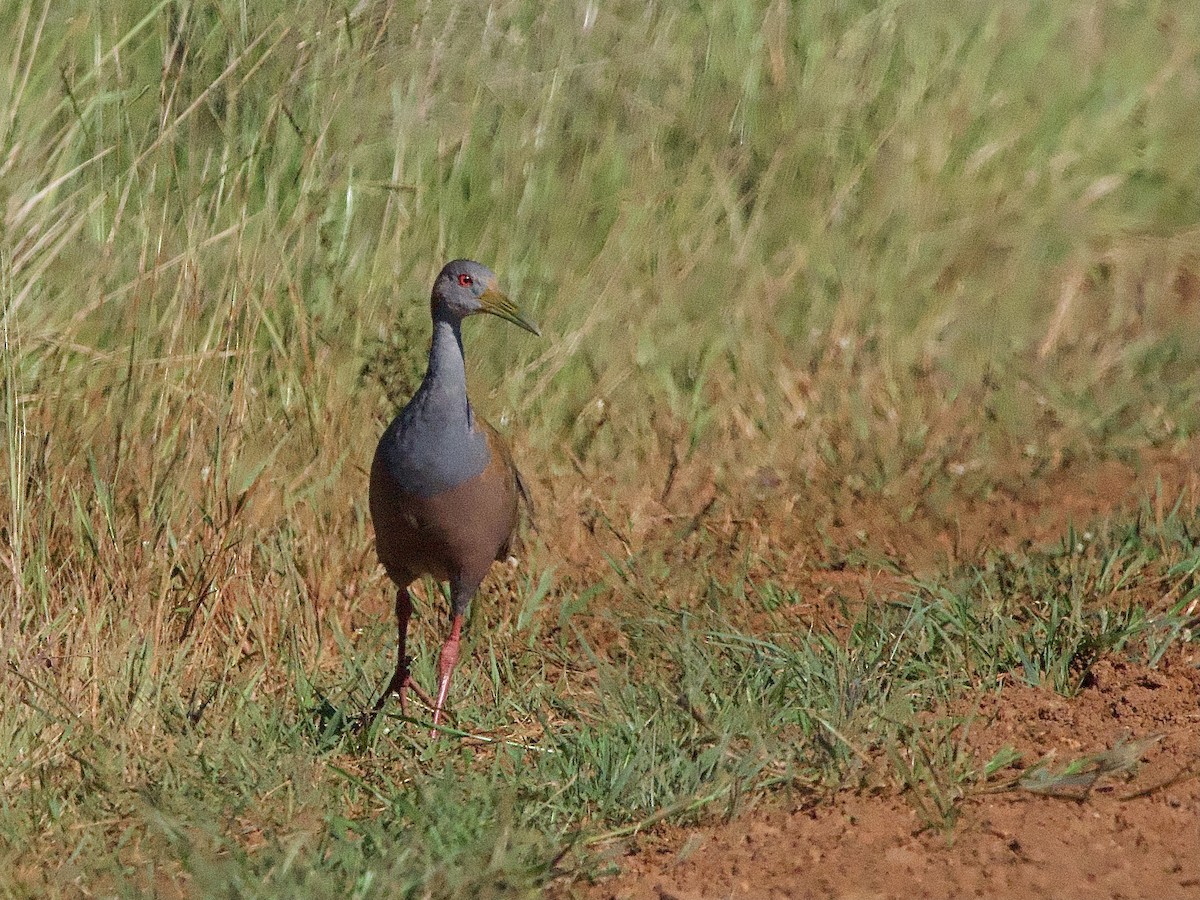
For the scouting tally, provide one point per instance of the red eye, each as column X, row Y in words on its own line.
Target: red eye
column 465, row 280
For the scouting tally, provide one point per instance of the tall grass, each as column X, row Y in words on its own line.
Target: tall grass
column 789, row 258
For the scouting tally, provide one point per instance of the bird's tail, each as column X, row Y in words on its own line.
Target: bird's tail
column 523, row 492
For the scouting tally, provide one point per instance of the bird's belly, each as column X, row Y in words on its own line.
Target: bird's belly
column 456, row 533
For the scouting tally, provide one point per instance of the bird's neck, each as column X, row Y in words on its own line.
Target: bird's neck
column 446, row 377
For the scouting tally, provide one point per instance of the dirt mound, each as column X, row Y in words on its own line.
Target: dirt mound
column 1126, row 825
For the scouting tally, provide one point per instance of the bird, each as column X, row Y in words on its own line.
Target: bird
column 444, row 489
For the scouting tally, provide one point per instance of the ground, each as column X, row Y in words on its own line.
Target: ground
column 862, row 428
column 1133, row 834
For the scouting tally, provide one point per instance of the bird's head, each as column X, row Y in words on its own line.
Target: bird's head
column 464, row 288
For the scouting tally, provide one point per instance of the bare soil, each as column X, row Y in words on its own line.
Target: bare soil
column 1134, row 832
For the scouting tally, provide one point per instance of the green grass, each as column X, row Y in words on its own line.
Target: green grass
column 799, row 268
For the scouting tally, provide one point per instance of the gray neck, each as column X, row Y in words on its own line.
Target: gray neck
column 433, row 445
column 446, row 377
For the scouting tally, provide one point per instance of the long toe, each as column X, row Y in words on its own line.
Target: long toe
column 420, row 692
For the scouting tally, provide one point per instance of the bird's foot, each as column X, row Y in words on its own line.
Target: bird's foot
column 421, row 695
column 402, row 681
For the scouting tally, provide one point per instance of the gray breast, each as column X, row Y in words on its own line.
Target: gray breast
column 426, row 453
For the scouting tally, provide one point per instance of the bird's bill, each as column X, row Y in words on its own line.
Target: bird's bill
column 494, row 301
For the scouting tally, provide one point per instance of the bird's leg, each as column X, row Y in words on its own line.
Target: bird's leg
column 402, row 677
column 446, row 662
column 462, row 589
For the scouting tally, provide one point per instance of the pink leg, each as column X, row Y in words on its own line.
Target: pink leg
column 446, row 662
column 401, row 678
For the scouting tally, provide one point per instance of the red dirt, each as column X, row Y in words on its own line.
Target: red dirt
column 1132, row 836
column 1136, row 833
column 1030, row 511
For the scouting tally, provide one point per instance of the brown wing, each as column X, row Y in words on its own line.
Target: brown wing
column 501, row 451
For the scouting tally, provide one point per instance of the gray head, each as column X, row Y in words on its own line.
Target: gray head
column 464, row 288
